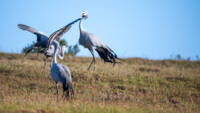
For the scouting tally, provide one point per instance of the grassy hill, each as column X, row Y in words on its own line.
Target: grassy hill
column 135, row 86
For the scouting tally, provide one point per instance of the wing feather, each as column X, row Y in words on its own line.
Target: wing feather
column 32, row 30
column 59, row 33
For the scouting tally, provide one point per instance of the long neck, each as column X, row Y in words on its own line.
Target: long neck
column 62, row 53
column 80, row 26
column 74, row 21
column 55, row 54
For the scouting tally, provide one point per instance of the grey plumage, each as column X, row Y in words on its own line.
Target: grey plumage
column 33, row 30
column 42, row 42
column 42, row 38
column 59, row 33
column 61, row 73
column 93, row 43
column 61, row 52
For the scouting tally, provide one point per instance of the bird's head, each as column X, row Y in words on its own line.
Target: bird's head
column 49, row 51
column 52, row 47
column 85, row 15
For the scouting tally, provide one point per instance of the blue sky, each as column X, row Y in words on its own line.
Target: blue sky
column 152, row 29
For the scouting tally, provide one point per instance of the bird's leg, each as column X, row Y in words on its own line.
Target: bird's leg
column 57, row 90
column 90, row 64
column 28, row 51
column 94, row 63
column 72, row 92
column 38, row 51
column 93, row 60
column 45, row 62
column 114, row 62
column 50, row 65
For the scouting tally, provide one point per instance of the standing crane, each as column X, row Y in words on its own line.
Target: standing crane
column 60, row 72
column 92, row 42
column 42, row 40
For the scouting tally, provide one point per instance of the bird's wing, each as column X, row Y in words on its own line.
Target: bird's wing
column 66, row 69
column 32, row 30
column 59, row 33
column 63, row 73
column 95, row 41
column 67, row 72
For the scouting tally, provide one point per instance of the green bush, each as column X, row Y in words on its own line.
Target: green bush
column 28, row 47
column 72, row 49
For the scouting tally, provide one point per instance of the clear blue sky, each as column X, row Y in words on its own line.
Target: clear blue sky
column 132, row 28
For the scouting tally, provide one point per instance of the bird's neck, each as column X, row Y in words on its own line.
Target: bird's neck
column 62, row 53
column 80, row 26
column 55, row 55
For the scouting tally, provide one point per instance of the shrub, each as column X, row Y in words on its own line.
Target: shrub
column 72, row 49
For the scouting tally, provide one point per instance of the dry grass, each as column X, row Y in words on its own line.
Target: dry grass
column 135, row 86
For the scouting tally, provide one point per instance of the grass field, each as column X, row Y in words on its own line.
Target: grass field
column 135, row 86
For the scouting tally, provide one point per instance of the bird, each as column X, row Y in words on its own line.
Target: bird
column 42, row 40
column 93, row 43
column 60, row 54
column 60, row 72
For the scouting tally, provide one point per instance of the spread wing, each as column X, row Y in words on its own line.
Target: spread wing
column 32, row 30
column 59, row 33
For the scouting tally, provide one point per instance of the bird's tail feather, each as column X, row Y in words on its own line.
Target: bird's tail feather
column 28, row 51
column 68, row 90
column 121, row 59
column 107, row 54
